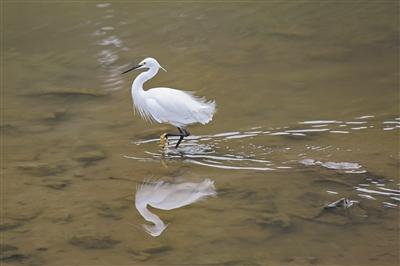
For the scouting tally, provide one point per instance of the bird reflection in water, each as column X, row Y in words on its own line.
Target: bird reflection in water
column 167, row 196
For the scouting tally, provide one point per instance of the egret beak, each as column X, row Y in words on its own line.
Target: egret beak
column 132, row 68
column 163, row 68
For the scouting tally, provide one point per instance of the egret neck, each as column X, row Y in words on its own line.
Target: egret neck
column 159, row 225
column 137, row 85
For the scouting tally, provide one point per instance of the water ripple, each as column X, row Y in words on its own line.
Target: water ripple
column 194, row 149
column 279, row 149
column 111, row 45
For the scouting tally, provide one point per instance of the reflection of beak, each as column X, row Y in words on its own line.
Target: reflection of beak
column 154, row 230
column 163, row 68
column 132, row 68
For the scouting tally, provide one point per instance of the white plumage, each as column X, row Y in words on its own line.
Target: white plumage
column 178, row 108
column 166, row 105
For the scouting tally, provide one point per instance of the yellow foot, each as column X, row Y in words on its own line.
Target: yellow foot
column 163, row 140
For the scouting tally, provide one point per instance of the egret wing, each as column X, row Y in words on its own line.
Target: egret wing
column 178, row 107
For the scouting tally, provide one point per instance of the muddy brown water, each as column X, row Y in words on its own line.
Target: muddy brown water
column 308, row 113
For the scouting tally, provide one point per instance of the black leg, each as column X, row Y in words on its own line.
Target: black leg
column 181, row 136
column 182, row 133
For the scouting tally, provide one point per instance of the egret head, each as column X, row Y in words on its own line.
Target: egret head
column 147, row 63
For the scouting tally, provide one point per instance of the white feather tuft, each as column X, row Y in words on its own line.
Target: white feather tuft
column 179, row 108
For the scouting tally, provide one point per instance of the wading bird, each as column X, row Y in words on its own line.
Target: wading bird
column 166, row 105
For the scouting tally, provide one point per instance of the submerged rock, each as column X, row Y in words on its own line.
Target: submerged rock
column 309, row 205
column 311, row 199
column 333, row 217
column 340, row 212
column 89, row 154
column 147, row 253
column 62, row 218
column 57, row 184
column 24, row 213
column 157, row 250
column 110, row 215
column 9, row 129
column 9, row 253
column 280, row 220
column 37, row 168
column 13, row 257
column 55, row 115
column 299, row 260
column 139, row 255
column 9, row 225
column 5, row 248
column 112, row 210
column 93, row 242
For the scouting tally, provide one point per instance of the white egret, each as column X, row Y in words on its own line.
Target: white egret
column 167, row 196
column 166, row 105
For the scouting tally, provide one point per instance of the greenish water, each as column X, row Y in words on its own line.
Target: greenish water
column 308, row 113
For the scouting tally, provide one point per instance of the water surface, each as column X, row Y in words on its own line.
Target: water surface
column 307, row 98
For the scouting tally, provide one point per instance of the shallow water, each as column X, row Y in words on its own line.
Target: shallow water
column 307, row 98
